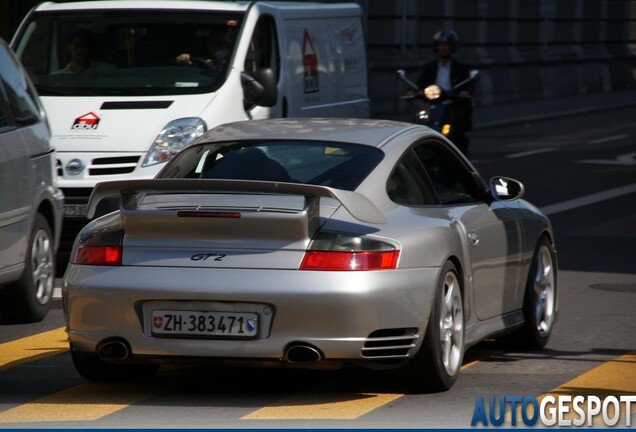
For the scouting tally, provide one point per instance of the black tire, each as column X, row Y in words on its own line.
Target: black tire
column 427, row 370
column 29, row 298
column 540, row 299
column 92, row 368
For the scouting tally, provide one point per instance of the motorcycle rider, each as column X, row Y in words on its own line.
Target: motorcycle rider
column 447, row 72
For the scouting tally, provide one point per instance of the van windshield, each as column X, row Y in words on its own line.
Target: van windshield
column 128, row 53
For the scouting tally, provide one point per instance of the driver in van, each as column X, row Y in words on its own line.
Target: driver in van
column 217, row 47
column 80, row 48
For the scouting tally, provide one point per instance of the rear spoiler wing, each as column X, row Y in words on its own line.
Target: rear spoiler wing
column 359, row 206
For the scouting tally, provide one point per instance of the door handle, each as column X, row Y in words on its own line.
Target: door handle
column 474, row 239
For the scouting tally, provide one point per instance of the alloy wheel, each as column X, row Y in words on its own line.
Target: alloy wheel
column 42, row 266
column 544, row 289
column 451, row 324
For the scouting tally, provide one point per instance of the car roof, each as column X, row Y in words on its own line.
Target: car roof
column 356, row 131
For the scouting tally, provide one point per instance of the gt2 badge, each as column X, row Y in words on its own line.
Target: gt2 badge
column 203, row 257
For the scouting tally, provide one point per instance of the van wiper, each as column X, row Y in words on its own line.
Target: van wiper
column 68, row 91
column 53, row 90
column 87, row 91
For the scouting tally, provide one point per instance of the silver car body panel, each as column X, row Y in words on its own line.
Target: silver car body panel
column 26, row 180
column 333, row 311
column 491, row 243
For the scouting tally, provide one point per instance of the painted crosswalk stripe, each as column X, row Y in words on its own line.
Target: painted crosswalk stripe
column 32, row 348
column 85, row 402
column 613, row 378
column 92, row 401
column 315, row 406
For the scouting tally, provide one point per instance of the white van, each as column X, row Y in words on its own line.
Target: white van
column 127, row 84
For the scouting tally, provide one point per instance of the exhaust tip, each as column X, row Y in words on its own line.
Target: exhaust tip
column 113, row 350
column 303, row 354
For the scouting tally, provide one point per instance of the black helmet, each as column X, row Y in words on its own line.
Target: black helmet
column 446, row 36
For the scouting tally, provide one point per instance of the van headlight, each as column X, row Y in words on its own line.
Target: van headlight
column 175, row 136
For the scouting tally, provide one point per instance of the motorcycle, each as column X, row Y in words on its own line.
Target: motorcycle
column 445, row 111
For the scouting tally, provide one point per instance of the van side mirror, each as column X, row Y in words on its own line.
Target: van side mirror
column 267, row 78
column 259, row 89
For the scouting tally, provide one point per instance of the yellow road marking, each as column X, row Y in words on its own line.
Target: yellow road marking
column 316, row 405
column 92, row 401
column 85, row 402
column 613, row 378
column 312, row 406
column 32, row 348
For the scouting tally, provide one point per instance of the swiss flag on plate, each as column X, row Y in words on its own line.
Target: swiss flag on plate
column 158, row 321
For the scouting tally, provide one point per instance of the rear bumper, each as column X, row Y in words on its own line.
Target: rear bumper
column 344, row 315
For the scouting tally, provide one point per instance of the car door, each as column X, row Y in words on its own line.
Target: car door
column 18, row 143
column 12, row 155
column 491, row 229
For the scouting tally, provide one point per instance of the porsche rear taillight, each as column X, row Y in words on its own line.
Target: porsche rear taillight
column 96, row 255
column 329, row 260
column 338, row 252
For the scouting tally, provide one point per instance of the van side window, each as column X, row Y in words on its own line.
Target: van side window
column 25, row 111
column 451, row 180
column 263, row 49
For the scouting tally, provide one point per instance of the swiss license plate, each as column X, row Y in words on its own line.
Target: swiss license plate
column 75, row 209
column 198, row 323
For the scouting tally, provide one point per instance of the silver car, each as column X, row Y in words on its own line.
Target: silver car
column 312, row 243
column 30, row 203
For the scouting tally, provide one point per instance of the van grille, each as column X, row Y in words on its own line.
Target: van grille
column 390, row 343
column 113, row 165
column 58, row 168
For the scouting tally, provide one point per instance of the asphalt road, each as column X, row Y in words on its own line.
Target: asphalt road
column 580, row 170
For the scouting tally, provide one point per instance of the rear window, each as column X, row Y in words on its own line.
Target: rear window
column 341, row 166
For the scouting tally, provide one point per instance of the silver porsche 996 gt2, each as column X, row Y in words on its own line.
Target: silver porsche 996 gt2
column 312, row 243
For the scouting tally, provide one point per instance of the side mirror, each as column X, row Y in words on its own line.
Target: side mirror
column 267, row 79
column 506, row 189
column 259, row 89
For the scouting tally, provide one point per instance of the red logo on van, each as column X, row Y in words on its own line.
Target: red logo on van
column 310, row 65
column 88, row 121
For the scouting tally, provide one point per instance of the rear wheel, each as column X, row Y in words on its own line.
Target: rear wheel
column 436, row 365
column 29, row 298
column 92, row 368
